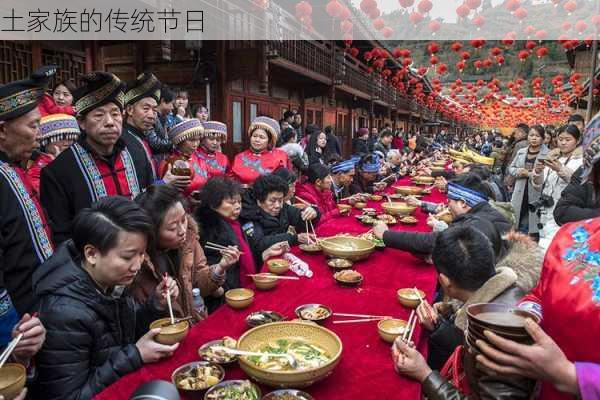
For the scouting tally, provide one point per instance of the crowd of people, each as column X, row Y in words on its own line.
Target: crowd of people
column 113, row 197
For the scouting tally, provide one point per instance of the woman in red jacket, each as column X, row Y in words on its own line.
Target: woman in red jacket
column 61, row 101
column 317, row 190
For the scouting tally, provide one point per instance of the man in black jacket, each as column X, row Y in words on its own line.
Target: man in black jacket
column 468, row 203
column 266, row 219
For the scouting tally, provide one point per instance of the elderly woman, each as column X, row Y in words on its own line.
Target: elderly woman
column 174, row 250
column 185, row 137
column 552, row 175
column 365, row 180
column 57, row 133
column 262, row 157
column 266, row 218
column 525, row 194
column 95, row 331
column 218, row 218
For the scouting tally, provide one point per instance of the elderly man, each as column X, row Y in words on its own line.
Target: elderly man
column 101, row 163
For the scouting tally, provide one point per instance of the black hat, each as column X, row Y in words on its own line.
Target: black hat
column 19, row 97
column 99, row 88
column 145, row 85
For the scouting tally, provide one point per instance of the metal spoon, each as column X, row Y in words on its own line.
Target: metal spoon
column 291, row 360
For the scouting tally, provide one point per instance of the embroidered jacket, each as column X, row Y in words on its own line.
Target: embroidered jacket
column 247, row 165
column 25, row 237
column 568, row 295
column 131, row 135
column 217, row 163
column 79, row 177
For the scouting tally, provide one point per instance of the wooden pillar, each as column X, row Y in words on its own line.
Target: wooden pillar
column 263, row 67
column 221, row 98
column 36, row 55
column 371, row 114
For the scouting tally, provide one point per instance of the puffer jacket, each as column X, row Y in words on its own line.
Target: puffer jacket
column 264, row 230
column 192, row 271
column 90, row 335
column 482, row 217
column 321, row 199
column 578, row 201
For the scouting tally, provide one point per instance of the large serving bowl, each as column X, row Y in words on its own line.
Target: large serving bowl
column 398, row 208
column 423, row 180
column 12, row 380
column 255, row 339
column 349, row 248
column 170, row 334
column 408, row 190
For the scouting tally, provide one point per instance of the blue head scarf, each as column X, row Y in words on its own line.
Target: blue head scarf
column 471, row 197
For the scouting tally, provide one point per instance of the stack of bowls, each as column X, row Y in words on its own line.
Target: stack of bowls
column 503, row 320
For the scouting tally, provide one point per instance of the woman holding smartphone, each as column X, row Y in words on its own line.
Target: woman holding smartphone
column 553, row 174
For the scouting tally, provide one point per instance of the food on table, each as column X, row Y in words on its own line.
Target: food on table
column 258, row 318
column 369, row 211
column 288, row 394
column 386, row 218
column 348, row 276
column 307, row 355
column 409, row 220
column 313, row 312
column 239, row 390
column 198, row 377
column 339, row 263
column 374, row 239
column 360, row 205
column 310, row 248
column 366, row 219
column 209, row 353
column 409, row 298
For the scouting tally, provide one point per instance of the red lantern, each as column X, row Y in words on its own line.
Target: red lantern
column 473, row 4
column 406, row 62
column 434, row 60
column 442, row 69
column 478, row 21
column 565, row 26
column 478, row 64
column 415, row 18
column 487, row 63
column 495, row 51
column 460, row 66
column 465, row 55
column 434, row 26
column 523, row 54
column 346, row 26
column 334, row 8
column 463, row 11
column 387, row 32
column 570, row 6
column 580, row 26
column 354, row 52
column 422, row 71
column 530, row 45
column 456, row 47
column 512, row 5
column 374, row 13
column 345, row 13
column 368, row 5
column 541, row 34
column 303, row 9
column 433, row 48
column 397, row 52
column 379, row 24
column 406, row 3
column 500, row 60
column 424, row 6
column 521, row 13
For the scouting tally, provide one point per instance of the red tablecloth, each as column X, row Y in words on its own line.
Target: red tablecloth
column 365, row 371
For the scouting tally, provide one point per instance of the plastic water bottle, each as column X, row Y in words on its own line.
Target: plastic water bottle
column 298, row 266
column 198, row 301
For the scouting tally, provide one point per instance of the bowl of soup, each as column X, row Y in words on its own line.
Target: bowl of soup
column 239, row 298
column 390, row 329
column 12, row 380
column 408, row 297
column 170, row 333
column 265, row 281
column 278, row 266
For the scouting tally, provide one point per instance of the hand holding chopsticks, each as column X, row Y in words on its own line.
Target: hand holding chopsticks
column 32, row 335
column 219, row 248
column 9, row 349
column 167, row 290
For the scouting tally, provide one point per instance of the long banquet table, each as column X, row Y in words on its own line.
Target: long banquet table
column 365, row 371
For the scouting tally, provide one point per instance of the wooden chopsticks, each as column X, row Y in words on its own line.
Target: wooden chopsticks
column 216, row 247
column 359, row 318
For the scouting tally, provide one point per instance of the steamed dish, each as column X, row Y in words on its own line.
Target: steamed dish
column 198, row 377
column 209, row 353
column 243, row 390
column 314, row 313
column 307, row 355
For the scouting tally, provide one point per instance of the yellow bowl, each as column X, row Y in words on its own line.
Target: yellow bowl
column 239, row 298
column 170, row 334
column 398, row 208
column 445, row 216
column 408, row 298
column 12, row 380
column 360, row 205
column 257, row 338
column 264, row 281
column 408, row 190
column 278, row 266
column 390, row 329
column 376, row 197
column 339, row 263
column 348, row 248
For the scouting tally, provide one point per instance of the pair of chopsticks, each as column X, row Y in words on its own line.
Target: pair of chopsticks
column 412, row 321
column 165, row 276
column 289, row 278
column 216, row 247
column 359, row 318
column 386, row 178
column 304, row 201
column 9, row 349
column 178, row 320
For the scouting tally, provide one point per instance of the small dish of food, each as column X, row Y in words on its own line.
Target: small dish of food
column 369, row 211
column 379, row 244
column 409, row 298
column 239, row 298
column 288, row 394
column 258, row 318
column 390, row 329
column 409, row 220
column 344, row 208
column 265, row 281
column 387, row 219
column 360, row 205
column 209, row 351
column 197, row 376
column 366, row 219
column 376, row 197
column 313, row 312
column 348, row 277
column 340, row 263
column 278, row 266
column 310, row 248
column 234, row 390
